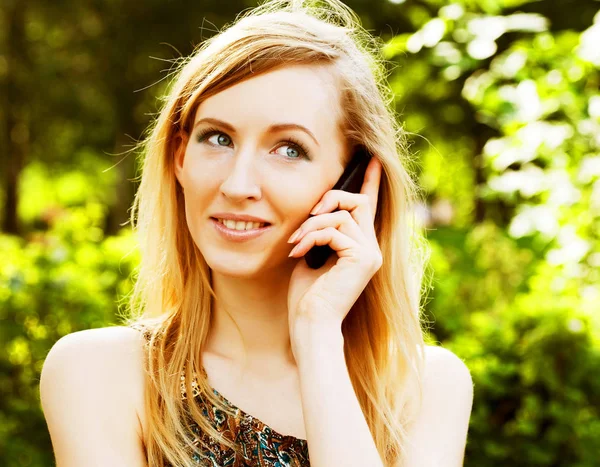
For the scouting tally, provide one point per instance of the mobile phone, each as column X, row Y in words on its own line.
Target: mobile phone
column 351, row 180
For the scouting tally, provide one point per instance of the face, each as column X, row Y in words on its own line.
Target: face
column 234, row 161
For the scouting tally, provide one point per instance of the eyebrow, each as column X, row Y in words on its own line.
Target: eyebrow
column 274, row 127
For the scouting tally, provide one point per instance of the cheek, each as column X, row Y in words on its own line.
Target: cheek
column 198, row 191
column 196, row 177
column 297, row 197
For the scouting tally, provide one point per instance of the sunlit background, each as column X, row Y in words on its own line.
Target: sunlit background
column 501, row 101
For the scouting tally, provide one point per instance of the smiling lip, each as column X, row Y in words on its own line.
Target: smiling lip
column 238, row 217
column 238, row 235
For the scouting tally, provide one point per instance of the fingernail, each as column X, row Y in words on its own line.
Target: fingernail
column 316, row 209
column 293, row 251
column 294, row 236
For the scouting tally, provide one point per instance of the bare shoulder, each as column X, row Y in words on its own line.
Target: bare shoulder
column 445, row 361
column 91, row 390
column 444, row 370
column 108, row 340
column 110, row 356
column 439, row 434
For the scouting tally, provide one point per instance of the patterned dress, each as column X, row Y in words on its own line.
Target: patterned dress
column 261, row 446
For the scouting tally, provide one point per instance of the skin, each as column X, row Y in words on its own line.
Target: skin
column 256, row 172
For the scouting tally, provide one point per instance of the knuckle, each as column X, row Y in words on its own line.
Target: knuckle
column 377, row 261
column 346, row 216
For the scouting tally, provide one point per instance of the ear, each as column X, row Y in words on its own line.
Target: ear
column 180, row 141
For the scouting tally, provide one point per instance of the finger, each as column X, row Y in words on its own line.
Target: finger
column 340, row 243
column 340, row 220
column 371, row 183
column 357, row 204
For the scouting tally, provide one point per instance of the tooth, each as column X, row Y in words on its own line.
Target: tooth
column 241, row 225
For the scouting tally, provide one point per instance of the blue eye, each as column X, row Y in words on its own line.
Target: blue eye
column 297, row 148
column 204, row 135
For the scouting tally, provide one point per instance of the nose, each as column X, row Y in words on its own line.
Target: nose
column 241, row 180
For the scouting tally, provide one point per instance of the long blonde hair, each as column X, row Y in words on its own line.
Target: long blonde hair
column 172, row 297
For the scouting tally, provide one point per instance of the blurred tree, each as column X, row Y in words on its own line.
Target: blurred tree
column 15, row 115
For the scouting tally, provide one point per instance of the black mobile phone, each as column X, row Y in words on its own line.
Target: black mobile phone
column 351, row 181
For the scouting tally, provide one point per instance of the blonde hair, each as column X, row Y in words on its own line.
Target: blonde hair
column 172, row 297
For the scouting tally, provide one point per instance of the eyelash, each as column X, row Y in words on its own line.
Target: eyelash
column 204, row 134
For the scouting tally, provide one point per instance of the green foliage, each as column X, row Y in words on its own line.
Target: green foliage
column 56, row 282
column 47, row 191
column 531, row 342
column 515, row 256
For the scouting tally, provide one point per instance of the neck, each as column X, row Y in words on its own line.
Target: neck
column 249, row 320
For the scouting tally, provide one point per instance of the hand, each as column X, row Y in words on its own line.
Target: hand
column 326, row 295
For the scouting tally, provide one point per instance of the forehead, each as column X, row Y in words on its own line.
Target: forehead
column 303, row 94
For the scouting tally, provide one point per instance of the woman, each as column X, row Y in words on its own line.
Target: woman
column 250, row 357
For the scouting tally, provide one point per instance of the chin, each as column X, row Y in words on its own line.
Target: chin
column 234, row 264
column 239, row 274
column 245, row 265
